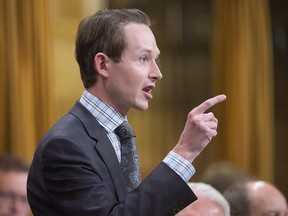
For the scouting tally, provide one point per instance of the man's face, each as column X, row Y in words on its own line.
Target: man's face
column 202, row 207
column 130, row 82
column 13, row 196
column 266, row 200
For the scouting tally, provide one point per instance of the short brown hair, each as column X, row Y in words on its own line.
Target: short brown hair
column 103, row 32
column 10, row 163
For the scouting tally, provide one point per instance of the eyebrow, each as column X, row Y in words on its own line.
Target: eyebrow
column 150, row 51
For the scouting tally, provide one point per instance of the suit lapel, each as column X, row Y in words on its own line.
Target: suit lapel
column 106, row 150
column 103, row 146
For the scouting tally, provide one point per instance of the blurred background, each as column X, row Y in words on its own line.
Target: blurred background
column 207, row 47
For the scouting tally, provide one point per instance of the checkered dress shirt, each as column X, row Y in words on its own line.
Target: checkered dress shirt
column 110, row 119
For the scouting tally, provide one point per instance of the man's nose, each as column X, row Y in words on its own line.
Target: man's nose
column 155, row 72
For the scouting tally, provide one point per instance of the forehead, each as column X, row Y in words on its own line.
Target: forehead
column 13, row 180
column 140, row 37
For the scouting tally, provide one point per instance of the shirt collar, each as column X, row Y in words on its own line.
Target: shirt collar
column 106, row 115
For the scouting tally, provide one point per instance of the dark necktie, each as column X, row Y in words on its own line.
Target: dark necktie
column 129, row 158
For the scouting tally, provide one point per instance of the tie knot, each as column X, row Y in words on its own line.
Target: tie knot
column 124, row 131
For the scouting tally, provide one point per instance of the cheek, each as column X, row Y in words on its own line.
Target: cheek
column 133, row 83
column 128, row 78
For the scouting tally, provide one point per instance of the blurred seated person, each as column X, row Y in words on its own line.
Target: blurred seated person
column 222, row 174
column 13, row 178
column 210, row 202
column 256, row 198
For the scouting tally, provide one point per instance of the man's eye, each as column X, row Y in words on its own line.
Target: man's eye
column 143, row 59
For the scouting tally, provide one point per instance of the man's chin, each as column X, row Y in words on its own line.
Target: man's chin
column 142, row 107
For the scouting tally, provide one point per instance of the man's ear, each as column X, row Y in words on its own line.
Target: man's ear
column 101, row 61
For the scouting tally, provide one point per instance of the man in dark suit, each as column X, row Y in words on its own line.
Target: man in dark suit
column 76, row 167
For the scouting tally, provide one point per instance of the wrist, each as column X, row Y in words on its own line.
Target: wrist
column 187, row 155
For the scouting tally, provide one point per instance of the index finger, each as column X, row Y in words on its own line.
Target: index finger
column 209, row 103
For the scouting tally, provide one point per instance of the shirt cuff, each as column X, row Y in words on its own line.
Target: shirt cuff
column 180, row 165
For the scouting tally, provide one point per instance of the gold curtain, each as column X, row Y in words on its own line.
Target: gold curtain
column 242, row 69
column 25, row 53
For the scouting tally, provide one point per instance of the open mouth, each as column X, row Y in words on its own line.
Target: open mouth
column 148, row 91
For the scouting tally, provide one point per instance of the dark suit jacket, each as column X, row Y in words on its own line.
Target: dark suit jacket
column 75, row 172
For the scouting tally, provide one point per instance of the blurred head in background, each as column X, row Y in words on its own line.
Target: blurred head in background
column 210, row 202
column 222, row 174
column 256, row 198
column 13, row 178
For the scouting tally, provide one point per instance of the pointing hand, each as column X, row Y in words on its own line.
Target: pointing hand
column 199, row 129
